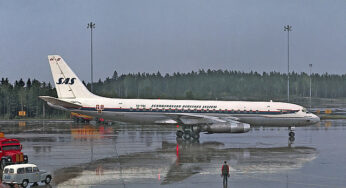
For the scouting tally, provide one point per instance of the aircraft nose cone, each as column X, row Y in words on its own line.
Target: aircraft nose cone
column 315, row 119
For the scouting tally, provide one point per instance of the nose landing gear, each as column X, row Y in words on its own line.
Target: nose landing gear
column 291, row 134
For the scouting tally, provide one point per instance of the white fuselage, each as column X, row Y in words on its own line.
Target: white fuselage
column 149, row 111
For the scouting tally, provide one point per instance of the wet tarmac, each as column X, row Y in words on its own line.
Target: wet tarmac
column 122, row 155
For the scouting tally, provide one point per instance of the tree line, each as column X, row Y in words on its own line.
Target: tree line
column 221, row 85
column 23, row 96
column 199, row 85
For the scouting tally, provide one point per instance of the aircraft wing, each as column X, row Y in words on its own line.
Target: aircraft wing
column 58, row 102
column 184, row 118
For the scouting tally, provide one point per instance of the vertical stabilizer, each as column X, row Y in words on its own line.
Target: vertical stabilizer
column 67, row 84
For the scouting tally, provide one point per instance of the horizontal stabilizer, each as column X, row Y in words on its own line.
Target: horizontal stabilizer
column 58, row 102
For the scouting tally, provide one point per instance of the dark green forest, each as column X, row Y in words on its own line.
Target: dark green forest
column 221, row 85
column 210, row 84
column 24, row 96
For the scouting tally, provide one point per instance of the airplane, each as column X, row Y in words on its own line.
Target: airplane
column 190, row 116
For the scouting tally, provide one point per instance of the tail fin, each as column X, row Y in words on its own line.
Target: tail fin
column 66, row 82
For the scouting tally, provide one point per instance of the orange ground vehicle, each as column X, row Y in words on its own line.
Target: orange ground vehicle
column 84, row 118
column 80, row 117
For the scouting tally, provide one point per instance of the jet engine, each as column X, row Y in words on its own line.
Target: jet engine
column 229, row 127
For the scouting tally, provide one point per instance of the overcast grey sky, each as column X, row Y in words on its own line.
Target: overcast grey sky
column 171, row 36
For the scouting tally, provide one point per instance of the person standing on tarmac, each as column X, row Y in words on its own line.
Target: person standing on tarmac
column 225, row 173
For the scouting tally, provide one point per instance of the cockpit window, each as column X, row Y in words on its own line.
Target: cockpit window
column 305, row 110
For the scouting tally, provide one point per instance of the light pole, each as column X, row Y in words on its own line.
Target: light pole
column 310, row 65
column 91, row 26
column 288, row 28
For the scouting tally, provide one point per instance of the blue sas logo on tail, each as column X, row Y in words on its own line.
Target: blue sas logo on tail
column 66, row 81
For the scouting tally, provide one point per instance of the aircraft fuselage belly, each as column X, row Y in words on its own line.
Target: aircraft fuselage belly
column 152, row 117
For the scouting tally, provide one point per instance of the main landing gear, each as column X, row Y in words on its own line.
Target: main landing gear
column 291, row 134
column 188, row 133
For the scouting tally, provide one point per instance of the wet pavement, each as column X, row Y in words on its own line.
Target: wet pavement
column 123, row 155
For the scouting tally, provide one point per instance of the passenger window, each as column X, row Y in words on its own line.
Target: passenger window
column 11, row 171
column 6, row 171
column 20, row 171
column 35, row 169
column 28, row 170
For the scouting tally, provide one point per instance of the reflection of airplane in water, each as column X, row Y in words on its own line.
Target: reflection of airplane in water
column 194, row 116
column 175, row 162
column 241, row 160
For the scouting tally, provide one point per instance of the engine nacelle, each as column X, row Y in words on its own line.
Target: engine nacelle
column 231, row 127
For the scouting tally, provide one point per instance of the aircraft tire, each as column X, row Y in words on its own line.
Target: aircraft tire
column 291, row 134
column 195, row 136
column 180, row 134
column 291, row 139
column 187, row 135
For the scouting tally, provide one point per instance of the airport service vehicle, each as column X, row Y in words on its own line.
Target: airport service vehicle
column 80, row 117
column 85, row 118
column 192, row 116
column 24, row 174
column 10, row 152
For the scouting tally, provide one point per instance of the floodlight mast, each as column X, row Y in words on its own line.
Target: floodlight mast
column 310, row 65
column 91, row 26
column 288, row 28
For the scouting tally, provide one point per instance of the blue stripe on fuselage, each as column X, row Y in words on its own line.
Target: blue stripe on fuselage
column 191, row 111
